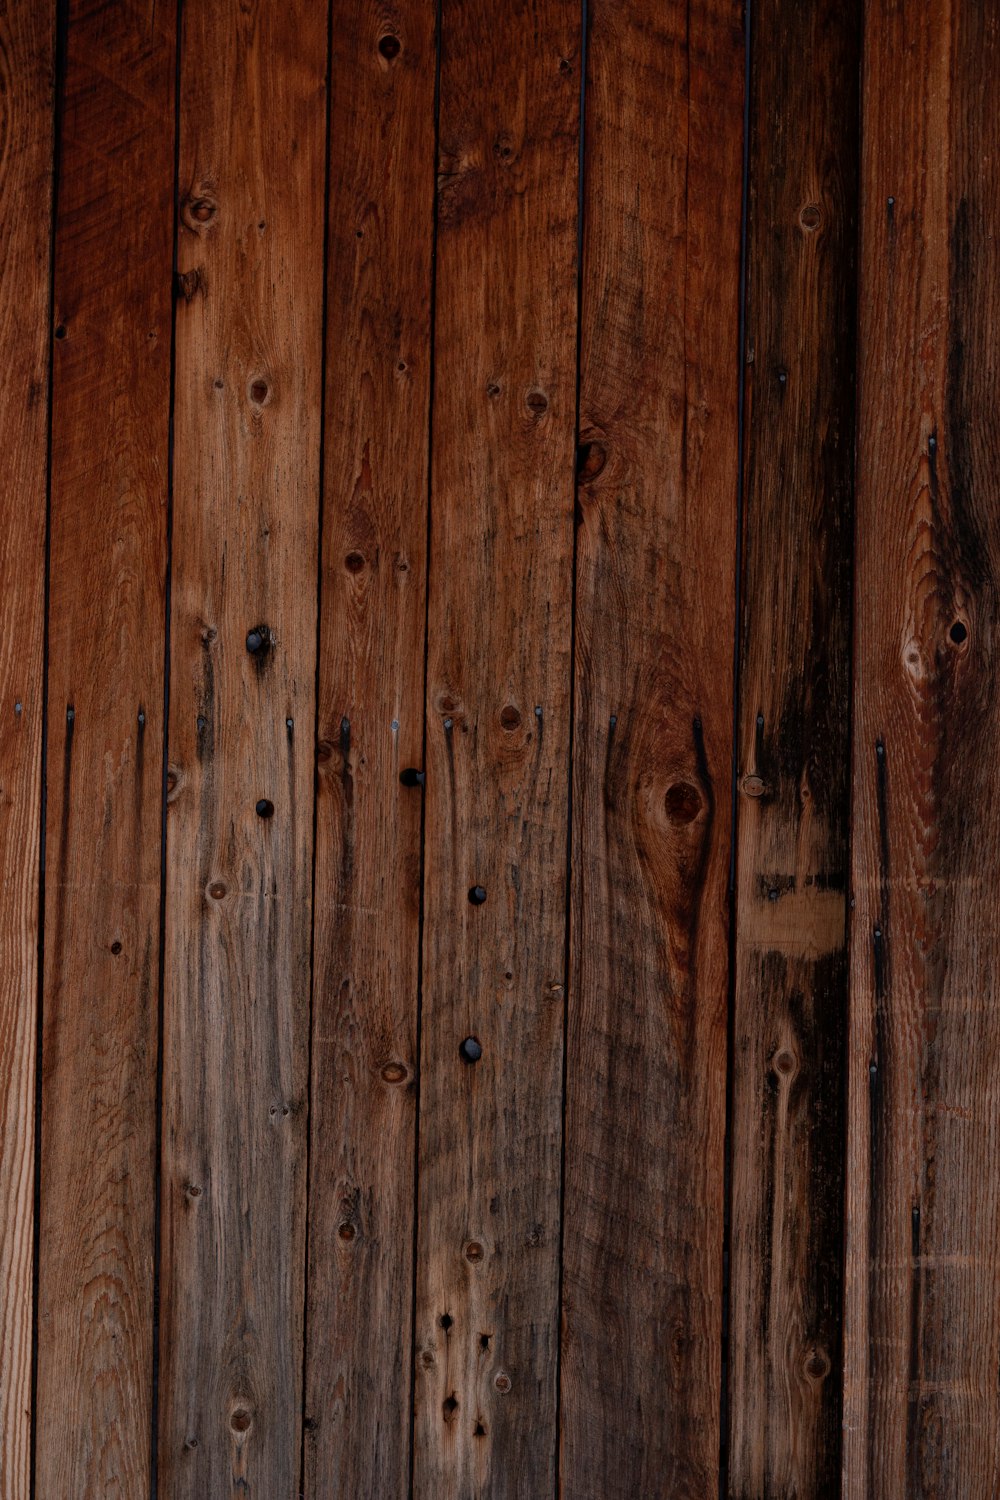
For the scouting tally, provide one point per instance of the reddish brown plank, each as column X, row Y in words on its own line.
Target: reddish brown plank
column 27, row 31
column 652, row 750
column 498, row 696
column 790, row 1023
column 370, row 733
column 922, row 1404
column 110, row 418
column 240, row 808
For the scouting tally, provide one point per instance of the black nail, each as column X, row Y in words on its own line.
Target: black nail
column 265, row 809
column 412, row 777
column 470, row 1050
column 477, row 895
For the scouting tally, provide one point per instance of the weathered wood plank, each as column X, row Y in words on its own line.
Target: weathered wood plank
column 370, row 732
column 27, row 31
column 110, row 428
column 922, row 1408
column 790, row 1023
column 652, row 750
column 242, row 715
column 498, row 697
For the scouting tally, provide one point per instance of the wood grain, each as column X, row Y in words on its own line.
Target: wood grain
column 110, row 426
column 790, row 1021
column 498, row 698
column 370, row 733
column 27, row 34
column 242, row 715
column 652, row 750
column 922, row 1409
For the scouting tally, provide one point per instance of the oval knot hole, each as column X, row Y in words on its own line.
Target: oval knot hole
column 590, row 460
column 683, row 802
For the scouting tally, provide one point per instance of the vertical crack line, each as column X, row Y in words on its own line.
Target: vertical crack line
column 60, row 48
column 734, row 766
column 418, row 1032
column 567, row 952
column 320, row 516
column 859, row 18
column 154, row 1437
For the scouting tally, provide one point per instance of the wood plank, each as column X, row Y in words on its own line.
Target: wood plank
column 790, row 1021
column 498, row 699
column 27, row 34
column 241, row 745
column 922, row 1408
column 370, row 732
column 656, row 544
column 110, row 421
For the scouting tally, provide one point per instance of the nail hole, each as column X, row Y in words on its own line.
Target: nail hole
column 264, row 808
column 477, row 895
column 958, row 632
column 60, row 330
column 389, row 47
column 493, row 390
column 116, row 947
column 470, row 1050
column 412, row 777
column 446, row 1320
column 449, row 1406
column 479, row 1430
column 484, row 1341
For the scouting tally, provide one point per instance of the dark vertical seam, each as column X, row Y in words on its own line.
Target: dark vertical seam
column 320, row 516
column 567, row 954
column 154, row 1444
column 851, row 675
column 724, row 1454
column 60, row 48
column 418, row 1035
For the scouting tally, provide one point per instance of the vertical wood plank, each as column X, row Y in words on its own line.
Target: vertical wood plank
column 27, row 31
column 922, row 1409
column 498, row 698
column 790, row 1024
column 657, row 494
column 370, row 733
column 110, row 425
column 242, row 714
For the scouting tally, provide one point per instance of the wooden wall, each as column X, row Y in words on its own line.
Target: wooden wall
column 499, row 844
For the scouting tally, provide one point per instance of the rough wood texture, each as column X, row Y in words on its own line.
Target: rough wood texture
column 27, row 31
column 498, row 699
column 652, row 750
column 110, row 421
column 790, row 1023
column 922, row 1411
column 243, row 654
column 370, row 732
